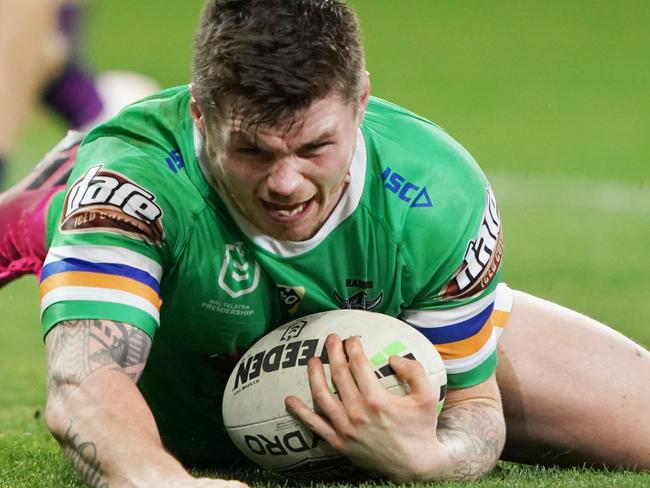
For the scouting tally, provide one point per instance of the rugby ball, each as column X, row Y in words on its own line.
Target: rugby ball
column 275, row 367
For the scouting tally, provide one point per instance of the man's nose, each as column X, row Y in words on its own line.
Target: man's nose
column 285, row 177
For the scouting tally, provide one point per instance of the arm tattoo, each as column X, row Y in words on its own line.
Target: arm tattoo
column 83, row 457
column 78, row 348
column 473, row 434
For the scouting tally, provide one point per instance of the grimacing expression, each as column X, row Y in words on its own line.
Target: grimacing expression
column 288, row 182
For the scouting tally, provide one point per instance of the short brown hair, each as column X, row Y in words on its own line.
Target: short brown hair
column 265, row 60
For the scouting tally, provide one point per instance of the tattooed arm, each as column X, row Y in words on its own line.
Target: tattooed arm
column 97, row 413
column 472, row 430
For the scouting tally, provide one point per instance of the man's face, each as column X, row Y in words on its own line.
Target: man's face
column 288, row 183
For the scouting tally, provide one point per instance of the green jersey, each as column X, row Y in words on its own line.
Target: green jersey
column 140, row 237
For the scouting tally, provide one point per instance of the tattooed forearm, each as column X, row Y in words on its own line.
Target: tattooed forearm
column 83, row 456
column 474, row 435
column 78, row 348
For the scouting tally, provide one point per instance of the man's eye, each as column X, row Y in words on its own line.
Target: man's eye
column 249, row 151
column 317, row 145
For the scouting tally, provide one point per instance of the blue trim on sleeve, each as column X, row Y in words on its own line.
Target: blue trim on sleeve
column 457, row 332
column 75, row 264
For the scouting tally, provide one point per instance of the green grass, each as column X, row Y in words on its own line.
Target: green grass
column 550, row 97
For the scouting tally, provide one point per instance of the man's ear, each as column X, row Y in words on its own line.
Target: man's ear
column 195, row 111
column 365, row 93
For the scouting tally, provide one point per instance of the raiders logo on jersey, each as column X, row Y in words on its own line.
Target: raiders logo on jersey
column 359, row 301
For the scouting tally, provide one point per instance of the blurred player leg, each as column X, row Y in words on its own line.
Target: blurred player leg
column 24, row 207
column 71, row 92
column 574, row 391
column 31, row 50
column 40, row 54
column 82, row 99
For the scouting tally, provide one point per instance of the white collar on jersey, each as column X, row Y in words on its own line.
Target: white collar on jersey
column 344, row 208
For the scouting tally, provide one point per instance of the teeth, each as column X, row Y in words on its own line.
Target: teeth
column 285, row 212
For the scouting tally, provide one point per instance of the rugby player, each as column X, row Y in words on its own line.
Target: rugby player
column 272, row 187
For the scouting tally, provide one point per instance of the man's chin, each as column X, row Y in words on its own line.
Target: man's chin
column 288, row 231
column 296, row 231
column 289, row 234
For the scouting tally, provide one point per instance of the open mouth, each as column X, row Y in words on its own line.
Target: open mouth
column 286, row 212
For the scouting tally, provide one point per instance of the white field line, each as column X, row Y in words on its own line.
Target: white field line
column 573, row 193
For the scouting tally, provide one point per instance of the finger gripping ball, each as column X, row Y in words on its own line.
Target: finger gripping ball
column 275, row 367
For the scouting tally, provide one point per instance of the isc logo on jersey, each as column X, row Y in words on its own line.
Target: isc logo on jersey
column 406, row 191
column 482, row 257
column 106, row 200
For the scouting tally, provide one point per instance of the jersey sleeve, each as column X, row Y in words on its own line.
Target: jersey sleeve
column 455, row 265
column 110, row 238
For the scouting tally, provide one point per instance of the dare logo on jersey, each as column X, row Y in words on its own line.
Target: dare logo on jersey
column 482, row 257
column 103, row 200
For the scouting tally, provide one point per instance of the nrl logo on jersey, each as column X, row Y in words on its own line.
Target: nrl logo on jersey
column 240, row 273
column 104, row 200
column 482, row 257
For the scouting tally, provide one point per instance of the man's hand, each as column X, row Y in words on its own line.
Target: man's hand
column 397, row 435
column 376, row 429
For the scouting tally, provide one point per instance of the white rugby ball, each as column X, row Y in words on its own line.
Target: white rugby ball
column 275, row 367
